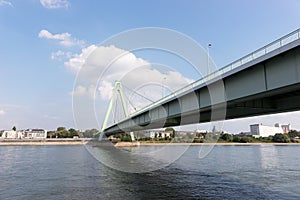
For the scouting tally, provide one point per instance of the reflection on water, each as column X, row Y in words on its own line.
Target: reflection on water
column 135, row 159
column 228, row 172
column 268, row 156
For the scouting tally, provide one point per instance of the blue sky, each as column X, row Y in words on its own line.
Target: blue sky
column 38, row 39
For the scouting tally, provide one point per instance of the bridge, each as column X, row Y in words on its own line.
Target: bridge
column 265, row 81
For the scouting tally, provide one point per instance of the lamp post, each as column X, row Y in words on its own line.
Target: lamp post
column 208, row 67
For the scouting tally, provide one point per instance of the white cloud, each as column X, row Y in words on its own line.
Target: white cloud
column 75, row 63
column 60, row 55
column 89, row 91
column 48, row 35
column 7, row 3
column 65, row 39
column 99, row 67
column 52, row 4
column 2, row 112
column 110, row 61
column 79, row 90
column 105, row 89
column 145, row 83
column 102, row 66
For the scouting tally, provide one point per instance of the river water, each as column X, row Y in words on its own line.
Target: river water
column 227, row 172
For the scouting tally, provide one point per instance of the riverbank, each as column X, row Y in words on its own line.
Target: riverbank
column 41, row 142
column 219, row 144
column 135, row 144
column 127, row 144
column 58, row 142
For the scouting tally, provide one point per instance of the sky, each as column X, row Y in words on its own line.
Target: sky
column 46, row 43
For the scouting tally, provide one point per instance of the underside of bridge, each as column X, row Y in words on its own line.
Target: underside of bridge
column 268, row 85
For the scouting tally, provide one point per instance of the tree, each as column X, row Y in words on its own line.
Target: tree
column 246, row 139
column 62, row 132
column 172, row 130
column 293, row 133
column 61, row 128
column 279, row 137
column 226, row 137
column 72, row 132
column 236, row 138
column 211, row 137
column 14, row 128
column 51, row 134
column 90, row 133
column 125, row 138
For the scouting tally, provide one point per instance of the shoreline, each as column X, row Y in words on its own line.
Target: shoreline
column 221, row 144
column 61, row 142
column 41, row 142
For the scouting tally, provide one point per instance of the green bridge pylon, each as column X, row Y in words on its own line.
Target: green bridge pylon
column 118, row 90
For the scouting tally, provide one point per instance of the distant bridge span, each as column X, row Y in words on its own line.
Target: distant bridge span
column 266, row 81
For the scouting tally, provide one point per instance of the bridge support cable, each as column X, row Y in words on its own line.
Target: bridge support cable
column 112, row 110
column 117, row 91
column 130, row 103
column 135, row 92
column 133, row 106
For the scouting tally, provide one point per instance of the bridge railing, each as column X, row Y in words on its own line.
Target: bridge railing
column 291, row 37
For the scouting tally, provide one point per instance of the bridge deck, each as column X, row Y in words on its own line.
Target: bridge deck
column 263, row 82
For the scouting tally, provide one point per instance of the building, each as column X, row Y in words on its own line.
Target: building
column 36, row 133
column 10, row 134
column 265, row 131
column 286, row 128
column 157, row 134
column 29, row 133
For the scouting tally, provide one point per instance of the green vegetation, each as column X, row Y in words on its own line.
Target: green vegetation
column 292, row 136
column 211, row 137
column 62, row 132
column 284, row 138
column 220, row 137
column 125, row 138
column 172, row 130
column 226, row 137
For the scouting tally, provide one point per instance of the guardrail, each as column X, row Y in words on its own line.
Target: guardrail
column 291, row 37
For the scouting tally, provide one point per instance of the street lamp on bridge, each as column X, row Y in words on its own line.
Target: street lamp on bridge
column 208, row 67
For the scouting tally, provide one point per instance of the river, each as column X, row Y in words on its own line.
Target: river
column 227, row 172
